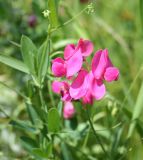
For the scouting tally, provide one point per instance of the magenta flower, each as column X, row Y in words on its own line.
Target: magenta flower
column 68, row 110
column 102, row 67
column 63, row 89
column 82, row 81
column 74, row 55
column 96, row 89
column 79, row 86
column 73, row 59
column 58, row 67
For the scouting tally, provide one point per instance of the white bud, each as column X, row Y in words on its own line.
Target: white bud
column 46, row 13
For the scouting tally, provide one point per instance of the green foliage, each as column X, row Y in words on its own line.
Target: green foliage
column 137, row 111
column 29, row 53
column 141, row 11
column 52, row 6
column 35, row 114
column 43, row 60
column 53, row 120
column 14, row 63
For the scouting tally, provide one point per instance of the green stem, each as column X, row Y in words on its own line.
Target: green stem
column 42, row 100
column 69, row 21
column 14, row 90
column 51, row 94
column 1, row 110
column 96, row 135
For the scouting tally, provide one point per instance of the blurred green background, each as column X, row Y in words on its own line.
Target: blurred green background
column 116, row 25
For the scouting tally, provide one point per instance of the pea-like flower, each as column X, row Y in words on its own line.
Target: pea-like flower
column 82, row 80
column 102, row 67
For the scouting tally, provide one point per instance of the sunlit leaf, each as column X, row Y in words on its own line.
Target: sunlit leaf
column 14, row 63
column 29, row 52
column 53, row 120
column 138, row 108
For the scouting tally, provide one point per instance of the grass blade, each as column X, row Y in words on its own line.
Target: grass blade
column 136, row 112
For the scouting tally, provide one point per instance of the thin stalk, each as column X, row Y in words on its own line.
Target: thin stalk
column 14, row 90
column 2, row 111
column 51, row 94
column 42, row 100
column 96, row 135
column 69, row 21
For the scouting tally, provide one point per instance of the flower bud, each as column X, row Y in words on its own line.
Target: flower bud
column 69, row 110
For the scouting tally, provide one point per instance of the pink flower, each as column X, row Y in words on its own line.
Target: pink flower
column 88, row 98
column 102, row 67
column 96, row 89
column 74, row 55
column 63, row 89
column 58, row 67
column 80, row 83
column 79, row 87
column 68, row 110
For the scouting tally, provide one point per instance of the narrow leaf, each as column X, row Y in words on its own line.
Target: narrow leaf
column 14, row 63
column 28, row 143
column 33, row 116
column 29, row 52
column 43, row 60
column 53, row 120
column 23, row 126
column 136, row 112
column 52, row 6
column 141, row 11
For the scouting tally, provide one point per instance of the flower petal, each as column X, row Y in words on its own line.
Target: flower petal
column 98, row 89
column 56, row 86
column 88, row 98
column 68, row 110
column 98, row 64
column 58, row 67
column 74, row 64
column 69, row 51
column 79, row 87
column 86, row 47
column 111, row 74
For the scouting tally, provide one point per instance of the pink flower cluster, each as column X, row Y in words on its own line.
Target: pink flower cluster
column 82, row 81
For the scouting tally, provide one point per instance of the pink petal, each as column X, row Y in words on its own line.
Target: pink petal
column 69, row 110
column 58, row 67
column 100, row 62
column 69, row 51
column 79, row 87
column 56, row 86
column 111, row 74
column 86, row 47
column 88, row 98
column 66, row 96
column 74, row 64
column 98, row 89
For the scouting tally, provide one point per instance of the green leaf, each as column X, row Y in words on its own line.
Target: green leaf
column 66, row 152
column 34, row 116
column 14, row 63
column 28, row 143
column 38, row 152
column 141, row 11
column 24, row 125
column 52, row 6
column 53, row 120
column 136, row 112
column 43, row 60
column 29, row 52
column 60, row 108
